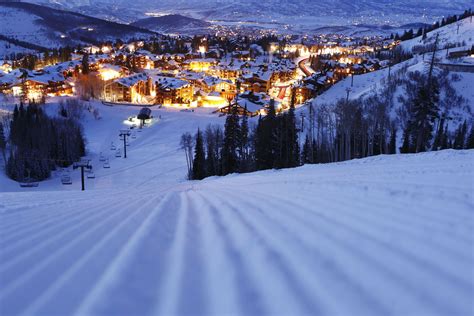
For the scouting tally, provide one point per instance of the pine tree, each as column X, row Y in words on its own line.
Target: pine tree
column 445, row 140
column 39, row 143
column 460, row 138
column 211, row 149
column 85, row 64
column 424, row 112
column 392, row 147
column 470, row 139
column 306, row 152
column 266, row 142
column 292, row 135
column 199, row 162
column 244, row 143
column 3, row 143
column 230, row 161
column 406, row 146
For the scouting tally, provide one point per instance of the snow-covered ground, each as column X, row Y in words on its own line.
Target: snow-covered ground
column 375, row 236
column 24, row 26
column 6, row 49
column 461, row 32
column 373, row 83
column 153, row 157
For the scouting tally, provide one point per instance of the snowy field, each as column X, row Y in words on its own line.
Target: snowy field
column 386, row 235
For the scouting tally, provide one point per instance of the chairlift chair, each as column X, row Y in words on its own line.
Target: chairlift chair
column 106, row 164
column 66, row 179
column 29, row 183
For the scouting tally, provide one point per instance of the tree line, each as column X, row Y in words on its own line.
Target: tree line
column 343, row 130
column 272, row 143
column 409, row 34
column 40, row 144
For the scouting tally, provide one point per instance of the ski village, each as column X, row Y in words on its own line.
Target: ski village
column 235, row 172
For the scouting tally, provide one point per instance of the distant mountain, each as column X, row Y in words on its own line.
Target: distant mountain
column 173, row 23
column 298, row 12
column 47, row 27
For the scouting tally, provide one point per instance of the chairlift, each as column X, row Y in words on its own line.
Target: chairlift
column 134, row 135
column 66, row 179
column 106, row 164
column 91, row 175
column 101, row 157
column 112, row 146
column 118, row 153
column 29, row 183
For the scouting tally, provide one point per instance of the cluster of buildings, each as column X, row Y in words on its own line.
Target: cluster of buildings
column 205, row 77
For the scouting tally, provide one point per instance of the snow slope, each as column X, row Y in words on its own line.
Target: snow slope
column 49, row 27
column 375, row 82
column 461, row 32
column 376, row 236
column 6, row 49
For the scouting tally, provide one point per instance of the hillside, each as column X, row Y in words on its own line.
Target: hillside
column 360, row 30
column 461, row 32
column 298, row 241
column 52, row 28
column 295, row 14
column 173, row 23
column 389, row 86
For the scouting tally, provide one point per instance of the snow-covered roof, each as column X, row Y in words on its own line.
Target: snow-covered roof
column 131, row 80
column 170, row 82
column 212, row 81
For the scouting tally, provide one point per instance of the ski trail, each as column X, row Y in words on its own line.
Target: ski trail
column 242, row 287
column 438, row 215
column 73, row 246
column 330, row 256
column 352, row 221
column 193, row 295
column 170, row 288
column 40, row 214
column 48, row 228
column 406, row 263
column 286, row 282
column 73, row 279
column 51, row 241
column 137, row 266
column 395, row 222
column 290, row 249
